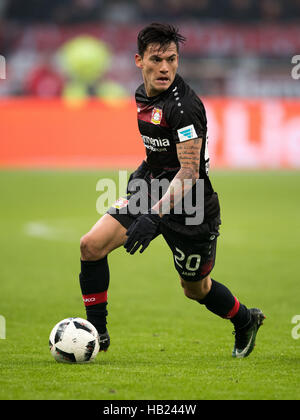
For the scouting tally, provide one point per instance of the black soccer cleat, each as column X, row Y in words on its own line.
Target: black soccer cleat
column 104, row 341
column 245, row 337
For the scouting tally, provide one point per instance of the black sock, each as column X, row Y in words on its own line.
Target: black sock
column 94, row 282
column 221, row 302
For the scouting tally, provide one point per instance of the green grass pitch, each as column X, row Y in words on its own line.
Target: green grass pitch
column 163, row 346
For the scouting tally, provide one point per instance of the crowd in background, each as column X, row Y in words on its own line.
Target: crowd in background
column 74, row 11
column 32, row 31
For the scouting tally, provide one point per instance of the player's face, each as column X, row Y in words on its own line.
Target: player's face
column 158, row 67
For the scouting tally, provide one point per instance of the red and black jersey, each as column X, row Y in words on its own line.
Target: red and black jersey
column 176, row 115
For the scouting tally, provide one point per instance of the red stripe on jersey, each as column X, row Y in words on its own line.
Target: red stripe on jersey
column 94, row 298
column 234, row 310
column 145, row 114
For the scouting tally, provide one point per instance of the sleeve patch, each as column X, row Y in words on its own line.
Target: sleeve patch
column 187, row 133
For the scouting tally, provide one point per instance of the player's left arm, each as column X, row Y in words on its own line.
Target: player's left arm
column 145, row 228
column 188, row 153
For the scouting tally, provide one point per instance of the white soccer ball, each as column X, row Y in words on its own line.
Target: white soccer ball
column 74, row 340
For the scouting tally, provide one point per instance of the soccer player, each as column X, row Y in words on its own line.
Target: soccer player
column 173, row 126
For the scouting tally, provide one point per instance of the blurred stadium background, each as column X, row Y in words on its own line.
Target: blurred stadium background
column 67, row 80
column 70, row 75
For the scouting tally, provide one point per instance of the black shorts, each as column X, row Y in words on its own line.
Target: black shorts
column 193, row 248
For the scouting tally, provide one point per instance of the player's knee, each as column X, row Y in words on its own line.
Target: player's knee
column 192, row 294
column 196, row 290
column 89, row 251
column 188, row 294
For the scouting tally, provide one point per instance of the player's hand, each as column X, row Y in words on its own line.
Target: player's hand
column 141, row 232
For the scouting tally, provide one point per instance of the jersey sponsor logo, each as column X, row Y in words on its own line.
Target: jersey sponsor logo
column 187, row 133
column 156, row 116
column 156, row 145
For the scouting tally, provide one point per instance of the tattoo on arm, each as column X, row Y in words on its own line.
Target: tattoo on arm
column 189, row 157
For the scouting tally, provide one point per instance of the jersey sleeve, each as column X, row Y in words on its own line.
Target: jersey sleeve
column 187, row 117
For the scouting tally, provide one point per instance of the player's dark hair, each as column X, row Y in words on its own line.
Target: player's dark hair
column 158, row 33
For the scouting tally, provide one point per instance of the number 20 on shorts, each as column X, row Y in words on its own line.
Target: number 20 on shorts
column 192, row 262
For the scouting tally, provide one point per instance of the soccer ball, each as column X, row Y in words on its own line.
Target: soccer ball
column 74, row 340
